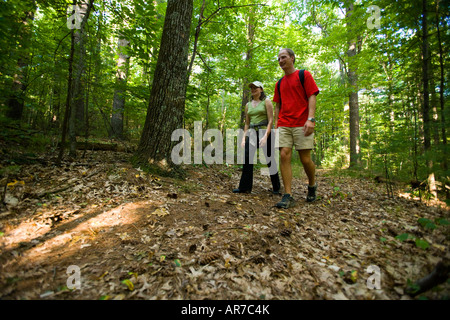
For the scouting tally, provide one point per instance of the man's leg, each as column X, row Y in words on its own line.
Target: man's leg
column 310, row 170
column 286, row 170
column 308, row 165
column 286, row 143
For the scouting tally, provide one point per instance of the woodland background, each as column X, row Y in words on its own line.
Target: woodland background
column 89, row 97
column 383, row 82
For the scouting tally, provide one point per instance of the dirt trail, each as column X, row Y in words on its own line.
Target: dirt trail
column 130, row 235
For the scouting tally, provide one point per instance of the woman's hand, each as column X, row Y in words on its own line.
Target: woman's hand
column 263, row 141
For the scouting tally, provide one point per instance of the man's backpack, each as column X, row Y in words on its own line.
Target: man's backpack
column 301, row 75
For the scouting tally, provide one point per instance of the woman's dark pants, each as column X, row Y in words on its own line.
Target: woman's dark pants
column 246, row 183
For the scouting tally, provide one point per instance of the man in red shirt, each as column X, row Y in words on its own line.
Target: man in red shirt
column 294, row 118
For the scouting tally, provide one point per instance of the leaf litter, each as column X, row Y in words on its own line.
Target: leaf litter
column 135, row 235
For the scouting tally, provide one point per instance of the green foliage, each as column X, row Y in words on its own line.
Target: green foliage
column 420, row 243
column 430, row 225
column 427, row 224
column 404, row 237
column 228, row 56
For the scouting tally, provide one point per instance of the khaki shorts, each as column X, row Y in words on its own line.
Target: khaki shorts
column 288, row 137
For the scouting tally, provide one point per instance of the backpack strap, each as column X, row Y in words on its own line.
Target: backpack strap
column 278, row 87
column 301, row 75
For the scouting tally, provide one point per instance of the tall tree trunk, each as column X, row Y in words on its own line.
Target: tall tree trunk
column 68, row 100
column 80, row 73
column 441, row 86
column 55, row 114
column 224, row 113
column 16, row 99
column 208, row 102
column 86, row 111
column 149, row 65
column 197, row 35
column 167, row 100
column 426, row 98
column 435, row 117
column 248, row 57
column 353, row 82
column 425, row 79
column 118, row 109
column 77, row 97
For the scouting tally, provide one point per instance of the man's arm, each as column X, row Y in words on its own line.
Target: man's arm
column 309, row 125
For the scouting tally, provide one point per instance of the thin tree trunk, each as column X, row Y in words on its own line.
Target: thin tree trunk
column 435, row 117
column 353, row 82
column 16, row 99
column 197, row 35
column 224, row 113
column 77, row 85
column 441, row 86
column 68, row 99
column 55, row 113
column 425, row 79
column 426, row 98
column 248, row 58
column 118, row 108
column 86, row 112
column 207, row 102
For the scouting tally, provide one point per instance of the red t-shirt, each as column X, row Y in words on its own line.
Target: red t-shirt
column 294, row 108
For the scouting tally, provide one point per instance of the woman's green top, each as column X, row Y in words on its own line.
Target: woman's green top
column 257, row 114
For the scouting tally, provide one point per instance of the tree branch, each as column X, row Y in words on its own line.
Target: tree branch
column 202, row 22
column 229, row 7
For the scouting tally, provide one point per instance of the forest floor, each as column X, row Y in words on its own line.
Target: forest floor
column 132, row 235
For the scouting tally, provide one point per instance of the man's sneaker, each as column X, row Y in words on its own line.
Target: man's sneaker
column 311, row 194
column 286, row 202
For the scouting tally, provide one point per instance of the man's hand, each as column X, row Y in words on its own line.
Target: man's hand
column 308, row 128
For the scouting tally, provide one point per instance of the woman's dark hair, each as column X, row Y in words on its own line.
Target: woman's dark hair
column 262, row 96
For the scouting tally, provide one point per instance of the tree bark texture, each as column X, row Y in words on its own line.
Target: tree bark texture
column 353, row 82
column 68, row 100
column 118, row 108
column 16, row 100
column 197, row 35
column 250, row 39
column 167, row 99
column 79, row 69
column 426, row 79
column 441, row 85
column 427, row 122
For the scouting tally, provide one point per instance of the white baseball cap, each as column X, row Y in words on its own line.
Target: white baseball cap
column 256, row 84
